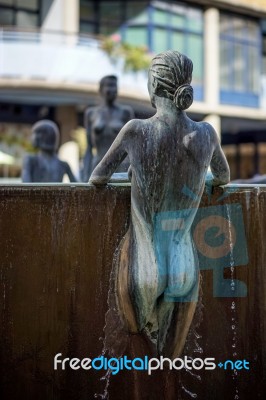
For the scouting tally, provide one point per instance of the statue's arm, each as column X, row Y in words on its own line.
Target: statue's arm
column 26, row 175
column 87, row 160
column 128, row 114
column 131, row 113
column 113, row 158
column 69, row 173
column 219, row 165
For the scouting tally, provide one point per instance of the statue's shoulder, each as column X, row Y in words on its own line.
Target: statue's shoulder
column 127, row 111
column 30, row 159
column 31, row 163
column 207, row 129
column 134, row 126
column 90, row 110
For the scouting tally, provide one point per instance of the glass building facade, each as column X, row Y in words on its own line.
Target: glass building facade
column 240, row 60
column 20, row 13
column 163, row 25
column 157, row 25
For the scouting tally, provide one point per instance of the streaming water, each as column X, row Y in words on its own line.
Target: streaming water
column 194, row 346
column 113, row 330
column 105, row 394
column 233, row 307
column 190, row 394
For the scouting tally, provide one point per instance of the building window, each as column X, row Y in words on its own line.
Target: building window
column 106, row 16
column 170, row 26
column 22, row 13
column 111, row 15
column 158, row 25
column 264, row 49
column 240, row 61
column 263, row 66
column 88, row 17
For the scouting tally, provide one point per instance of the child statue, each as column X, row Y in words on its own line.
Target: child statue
column 45, row 166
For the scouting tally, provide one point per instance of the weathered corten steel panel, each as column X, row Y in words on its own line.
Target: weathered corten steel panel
column 57, row 245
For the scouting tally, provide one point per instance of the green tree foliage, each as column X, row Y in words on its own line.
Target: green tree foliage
column 136, row 58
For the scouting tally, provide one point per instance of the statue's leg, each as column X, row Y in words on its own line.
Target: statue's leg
column 138, row 283
column 125, row 305
column 172, row 343
column 176, row 309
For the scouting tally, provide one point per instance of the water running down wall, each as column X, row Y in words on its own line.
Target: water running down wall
column 57, row 245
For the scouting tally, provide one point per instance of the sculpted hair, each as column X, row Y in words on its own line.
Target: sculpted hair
column 50, row 134
column 173, row 73
column 106, row 78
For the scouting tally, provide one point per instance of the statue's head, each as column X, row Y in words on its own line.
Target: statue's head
column 45, row 135
column 170, row 75
column 108, row 88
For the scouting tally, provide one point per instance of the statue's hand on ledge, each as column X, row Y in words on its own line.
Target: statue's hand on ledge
column 211, row 181
column 99, row 180
column 117, row 177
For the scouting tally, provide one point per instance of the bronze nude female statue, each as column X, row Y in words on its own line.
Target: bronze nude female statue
column 102, row 124
column 157, row 268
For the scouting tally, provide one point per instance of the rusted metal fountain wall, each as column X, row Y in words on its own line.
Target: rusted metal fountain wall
column 57, row 245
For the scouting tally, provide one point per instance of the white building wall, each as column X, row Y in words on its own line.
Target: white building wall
column 63, row 16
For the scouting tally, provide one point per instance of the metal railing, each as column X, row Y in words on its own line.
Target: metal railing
column 55, row 56
column 12, row 33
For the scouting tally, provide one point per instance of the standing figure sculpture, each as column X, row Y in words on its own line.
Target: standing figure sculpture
column 102, row 124
column 157, row 268
column 45, row 166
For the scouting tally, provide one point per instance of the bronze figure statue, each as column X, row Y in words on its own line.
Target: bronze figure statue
column 45, row 166
column 102, row 124
column 157, row 269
